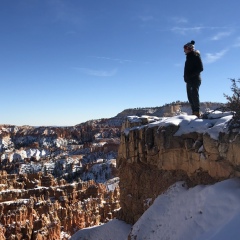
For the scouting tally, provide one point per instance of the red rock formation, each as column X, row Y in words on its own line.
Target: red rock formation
column 52, row 206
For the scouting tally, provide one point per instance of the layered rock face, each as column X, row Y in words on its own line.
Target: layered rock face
column 52, row 179
column 47, row 207
column 152, row 157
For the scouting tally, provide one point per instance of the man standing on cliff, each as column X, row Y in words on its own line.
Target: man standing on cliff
column 193, row 68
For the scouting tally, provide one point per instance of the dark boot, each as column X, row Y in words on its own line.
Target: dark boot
column 196, row 114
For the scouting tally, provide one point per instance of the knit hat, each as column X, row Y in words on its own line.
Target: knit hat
column 189, row 46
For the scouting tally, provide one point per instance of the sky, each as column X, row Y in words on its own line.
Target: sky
column 209, row 212
column 63, row 62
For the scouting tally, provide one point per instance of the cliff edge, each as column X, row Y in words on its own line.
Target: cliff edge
column 156, row 152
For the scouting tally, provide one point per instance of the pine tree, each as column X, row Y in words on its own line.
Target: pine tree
column 233, row 104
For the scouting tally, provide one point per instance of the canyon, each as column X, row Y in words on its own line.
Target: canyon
column 55, row 181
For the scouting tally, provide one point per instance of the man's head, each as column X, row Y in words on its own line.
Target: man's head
column 189, row 47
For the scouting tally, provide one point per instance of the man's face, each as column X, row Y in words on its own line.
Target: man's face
column 186, row 50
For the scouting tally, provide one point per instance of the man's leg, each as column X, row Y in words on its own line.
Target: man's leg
column 195, row 97
column 189, row 95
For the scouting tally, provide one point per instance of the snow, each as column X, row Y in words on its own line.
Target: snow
column 112, row 183
column 100, row 171
column 23, row 201
column 196, row 213
column 113, row 230
column 210, row 212
column 215, row 123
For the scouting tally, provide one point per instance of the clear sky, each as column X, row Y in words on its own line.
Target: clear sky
column 63, row 62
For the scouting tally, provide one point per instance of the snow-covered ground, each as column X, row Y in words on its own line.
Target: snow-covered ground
column 209, row 212
column 114, row 230
column 216, row 122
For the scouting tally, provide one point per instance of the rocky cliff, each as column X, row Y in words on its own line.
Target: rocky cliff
column 155, row 152
column 57, row 180
column 37, row 206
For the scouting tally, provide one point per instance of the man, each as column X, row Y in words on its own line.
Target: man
column 193, row 68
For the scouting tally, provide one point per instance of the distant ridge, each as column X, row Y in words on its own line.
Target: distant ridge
column 168, row 109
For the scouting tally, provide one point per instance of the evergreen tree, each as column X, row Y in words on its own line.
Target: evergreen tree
column 233, row 104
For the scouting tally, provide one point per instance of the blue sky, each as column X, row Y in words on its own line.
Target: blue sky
column 63, row 62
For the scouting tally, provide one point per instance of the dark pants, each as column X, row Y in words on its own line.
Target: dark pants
column 193, row 95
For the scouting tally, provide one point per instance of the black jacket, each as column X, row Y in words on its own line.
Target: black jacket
column 193, row 67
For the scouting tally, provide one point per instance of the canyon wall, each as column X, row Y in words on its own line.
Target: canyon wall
column 37, row 206
column 152, row 157
column 53, row 179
